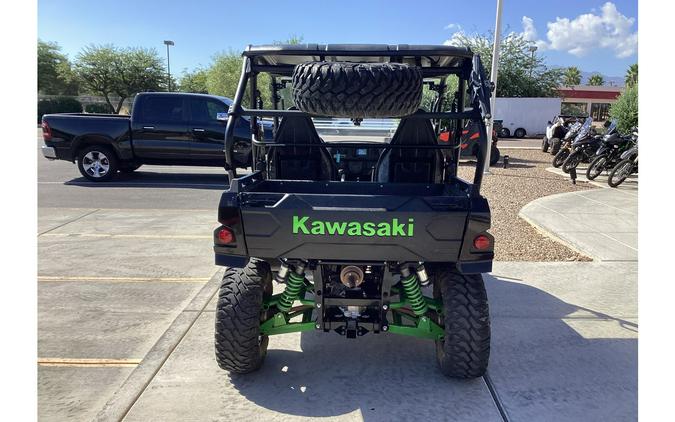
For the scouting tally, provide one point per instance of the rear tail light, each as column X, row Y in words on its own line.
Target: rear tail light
column 482, row 242
column 225, row 236
column 46, row 131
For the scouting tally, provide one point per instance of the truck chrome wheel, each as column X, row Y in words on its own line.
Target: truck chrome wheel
column 96, row 164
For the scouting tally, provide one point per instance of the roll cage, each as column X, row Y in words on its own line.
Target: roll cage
column 435, row 63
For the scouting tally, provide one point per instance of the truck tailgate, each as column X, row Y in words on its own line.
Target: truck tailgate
column 420, row 223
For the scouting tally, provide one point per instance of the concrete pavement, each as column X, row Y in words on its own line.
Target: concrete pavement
column 126, row 292
column 564, row 348
column 630, row 184
column 600, row 223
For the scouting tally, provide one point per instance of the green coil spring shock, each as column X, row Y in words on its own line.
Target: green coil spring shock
column 413, row 292
column 294, row 285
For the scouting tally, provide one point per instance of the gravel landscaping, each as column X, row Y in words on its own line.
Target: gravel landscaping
column 508, row 190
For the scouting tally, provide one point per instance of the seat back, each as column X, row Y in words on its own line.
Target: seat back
column 300, row 163
column 411, row 165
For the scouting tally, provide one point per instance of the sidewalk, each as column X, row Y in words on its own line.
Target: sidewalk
column 600, row 223
column 631, row 183
column 564, row 348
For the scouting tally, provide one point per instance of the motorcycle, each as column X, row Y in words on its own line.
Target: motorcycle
column 555, row 131
column 583, row 148
column 624, row 168
column 469, row 142
column 565, row 145
column 609, row 153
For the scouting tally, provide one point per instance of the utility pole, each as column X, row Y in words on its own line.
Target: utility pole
column 532, row 49
column 493, row 78
column 168, row 62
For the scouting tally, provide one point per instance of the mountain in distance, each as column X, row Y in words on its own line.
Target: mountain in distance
column 609, row 80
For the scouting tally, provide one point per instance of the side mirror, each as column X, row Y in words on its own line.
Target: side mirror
column 550, row 122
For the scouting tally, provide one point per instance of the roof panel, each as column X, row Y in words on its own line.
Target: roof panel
column 423, row 55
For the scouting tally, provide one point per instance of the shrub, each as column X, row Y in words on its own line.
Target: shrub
column 58, row 105
column 625, row 109
column 98, row 108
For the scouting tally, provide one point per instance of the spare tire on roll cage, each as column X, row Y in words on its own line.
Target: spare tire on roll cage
column 357, row 90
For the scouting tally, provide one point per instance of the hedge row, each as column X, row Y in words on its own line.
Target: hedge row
column 58, row 105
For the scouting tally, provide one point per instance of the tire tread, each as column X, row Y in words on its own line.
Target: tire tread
column 357, row 90
column 238, row 317
column 465, row 350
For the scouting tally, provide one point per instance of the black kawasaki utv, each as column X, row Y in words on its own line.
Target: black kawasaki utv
column 398, row 247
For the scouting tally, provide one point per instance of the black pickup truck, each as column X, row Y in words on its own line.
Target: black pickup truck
column 164, row 128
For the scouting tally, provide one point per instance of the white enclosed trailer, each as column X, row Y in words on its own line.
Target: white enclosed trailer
column 525, row 116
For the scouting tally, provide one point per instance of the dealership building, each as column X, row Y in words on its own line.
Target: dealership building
column 589, row 100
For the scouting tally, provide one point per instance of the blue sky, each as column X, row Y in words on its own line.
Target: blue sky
column 592, row 35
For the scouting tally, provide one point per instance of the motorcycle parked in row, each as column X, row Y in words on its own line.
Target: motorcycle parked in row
column 555, row 131
column 566, row 144
column 583, row 148
column 624, row 168
column 610, row 151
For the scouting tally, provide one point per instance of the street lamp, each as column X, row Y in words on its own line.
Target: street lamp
column 168, row 62
column 493, row 78
column 532, row 49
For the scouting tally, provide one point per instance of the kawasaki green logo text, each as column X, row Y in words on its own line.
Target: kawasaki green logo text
column 303, row 225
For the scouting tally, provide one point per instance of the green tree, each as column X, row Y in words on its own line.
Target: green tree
column 55, row 76
column 625, row 109
column 596, row 80
column 572, row 76
column 522, row 73
column 632, row 75
column 123, row 72
column 293, row 39
column 194, row 81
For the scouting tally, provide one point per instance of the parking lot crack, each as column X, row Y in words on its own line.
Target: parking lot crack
column 69, row 221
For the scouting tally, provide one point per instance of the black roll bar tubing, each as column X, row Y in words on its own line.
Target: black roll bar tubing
column 234, row 113
column 470, row 114
column 457, row 137
column 287, row 70
column 364, row 145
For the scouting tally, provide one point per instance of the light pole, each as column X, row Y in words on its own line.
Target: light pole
column 532, row 49
column 493, row 78
column 168, row 62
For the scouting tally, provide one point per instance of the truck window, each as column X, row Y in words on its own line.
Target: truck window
column 206, row 111
column 162, row 109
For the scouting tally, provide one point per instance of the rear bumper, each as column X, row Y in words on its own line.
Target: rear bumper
column 49, row 152
column 353, row 222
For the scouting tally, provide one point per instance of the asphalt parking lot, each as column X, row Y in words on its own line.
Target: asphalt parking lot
column 126, row 287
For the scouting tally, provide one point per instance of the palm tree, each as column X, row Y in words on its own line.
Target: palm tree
column 596, row 80
column 572, row 76
column 632, row 75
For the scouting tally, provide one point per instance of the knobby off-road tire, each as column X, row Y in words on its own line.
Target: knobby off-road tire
column 560, row 158
column 596, row 167
column 572, row 161
column 620, row 172
column 357, row 90
column 240, row 348
column 465, row 350
column 544, row 144
column 555, row 145
column 494, row 155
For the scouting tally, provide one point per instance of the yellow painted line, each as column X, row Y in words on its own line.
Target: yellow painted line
column 126, row 279
column 83, row 362
column 128, row 236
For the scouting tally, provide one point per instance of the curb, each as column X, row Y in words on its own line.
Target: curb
column 551, row 235
column 133, row 387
